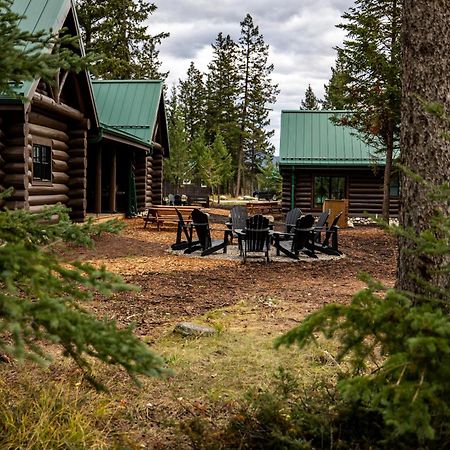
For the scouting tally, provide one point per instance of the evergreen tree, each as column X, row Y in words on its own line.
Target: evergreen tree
column 256, row 92
column 370, row 59
column 425, row 149
column 178, row 166
column 117, row 30
column 192, row 102
column 222, row 87
column 216, row 165
column 42, row 298
column 310, row 102
column 27, row 56
column 335, row 91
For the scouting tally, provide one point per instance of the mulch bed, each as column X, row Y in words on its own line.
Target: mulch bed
column 176, row 287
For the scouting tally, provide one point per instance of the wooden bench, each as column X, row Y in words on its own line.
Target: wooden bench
column 161, row 214
column 263, row 208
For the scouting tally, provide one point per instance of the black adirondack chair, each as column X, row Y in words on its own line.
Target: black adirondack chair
column 302, row 239
column 208, row 246
column 255, row 238
column 183, row 228
column 291, row 219
column 321, row 225
column 331, row 233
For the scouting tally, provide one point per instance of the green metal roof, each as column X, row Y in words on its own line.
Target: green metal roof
column 309, row 138
column 129, row 106
column 42, row 15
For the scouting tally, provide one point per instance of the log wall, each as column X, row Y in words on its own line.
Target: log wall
column 77, row 172
column 141, row 179
column 2, row 161
column 16, row 156
column 43, row 128
column 157, row 173
column 149, row 182
column 364, row 189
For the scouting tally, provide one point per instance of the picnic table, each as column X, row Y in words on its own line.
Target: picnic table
column 161, row 214
column 263, row 208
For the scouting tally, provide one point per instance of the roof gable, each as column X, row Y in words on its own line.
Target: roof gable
column 129, row 106
column 45, row 15
column 310, row 138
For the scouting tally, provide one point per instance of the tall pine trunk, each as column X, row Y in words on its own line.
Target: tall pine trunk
column 388, row 171
column 426, row 68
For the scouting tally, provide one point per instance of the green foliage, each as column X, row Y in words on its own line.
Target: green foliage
column 310, row 102
column 41, row 298
column 117, row 31
column 27, row 56
column 269, row 177
column 398, row 344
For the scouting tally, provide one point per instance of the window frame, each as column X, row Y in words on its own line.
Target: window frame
column 47, row 162
column 329, row 188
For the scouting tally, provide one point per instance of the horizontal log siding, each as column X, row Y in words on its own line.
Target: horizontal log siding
column 157, row 178
column 16, row 155
column 140, row 172
column 77, row 171
column 149, row 185
column 2, row 161
column 41, row 126
column 364, row 189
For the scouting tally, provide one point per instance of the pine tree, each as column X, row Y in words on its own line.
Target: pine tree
column 177, row 167
column 42, row 298
column 425, row 144
column 117, row 30
column 27, row 56
column 310, row 102
column 335, row 90
column 215, row 165
column 370, row 59
column 256, row 92
column 192, row 102
column 222, row 87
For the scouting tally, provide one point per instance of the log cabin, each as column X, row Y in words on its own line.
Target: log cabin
column 125, row 158
column 43, row 141
column 320, row 160
column 54, row 149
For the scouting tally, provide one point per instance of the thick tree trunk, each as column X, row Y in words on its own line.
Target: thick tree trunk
column 426, row 69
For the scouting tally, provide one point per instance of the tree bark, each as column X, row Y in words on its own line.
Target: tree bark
column 426, row 69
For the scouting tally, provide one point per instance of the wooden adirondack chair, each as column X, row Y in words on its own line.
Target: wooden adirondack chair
column 321, row 225
column 239, row 217
column 330, row 233
column 291, row 219
column 183, row 228
column 200, row 223
column 255, row 237
column 302, row 239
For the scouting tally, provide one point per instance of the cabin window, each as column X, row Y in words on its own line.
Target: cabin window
column 328, row 188
column 42, row 163
column 394, row 189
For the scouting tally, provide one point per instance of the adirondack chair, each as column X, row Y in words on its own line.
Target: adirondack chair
column 183, row 228
column 330, row 233
column 255, row 237
column 200, row 223
column 321, row 225
column 239, row 217
column 291, row 219
column 302, row 239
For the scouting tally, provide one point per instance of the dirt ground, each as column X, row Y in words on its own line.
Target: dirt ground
column 175, row 288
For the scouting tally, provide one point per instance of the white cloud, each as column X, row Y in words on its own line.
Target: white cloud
column 301, row 35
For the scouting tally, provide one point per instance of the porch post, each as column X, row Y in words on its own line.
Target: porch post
column 113, row 182
column 98, row 182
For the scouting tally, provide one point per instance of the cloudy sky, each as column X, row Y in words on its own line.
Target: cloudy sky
column 301, row 35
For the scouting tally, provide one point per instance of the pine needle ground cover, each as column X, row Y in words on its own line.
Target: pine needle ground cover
column 249, row 306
